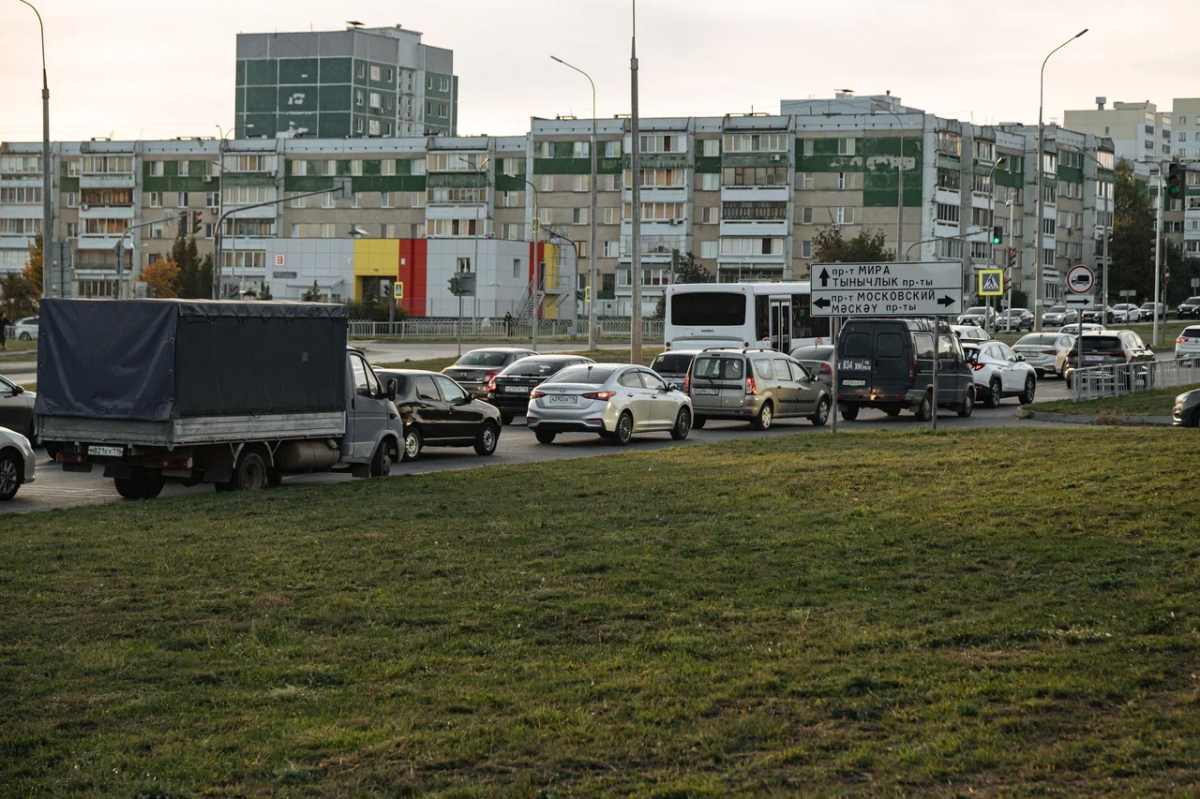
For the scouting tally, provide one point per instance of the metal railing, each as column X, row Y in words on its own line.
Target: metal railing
column 1098, row 382
column 497, row 330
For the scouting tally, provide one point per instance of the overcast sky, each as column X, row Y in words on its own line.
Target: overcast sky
column 136, row 68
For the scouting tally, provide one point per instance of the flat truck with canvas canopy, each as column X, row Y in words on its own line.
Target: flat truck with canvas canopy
column 237, row 394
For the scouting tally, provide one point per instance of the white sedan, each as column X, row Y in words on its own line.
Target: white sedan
column 16, row 463
column 1126, row 313
column 1000, row 373
column 26, row 329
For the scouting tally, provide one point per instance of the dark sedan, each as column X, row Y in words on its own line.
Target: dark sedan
column 438, row 412
column 16, row 409
column 1189, row 308
column 475, row 369
column 1187, row 409
column 509, row 390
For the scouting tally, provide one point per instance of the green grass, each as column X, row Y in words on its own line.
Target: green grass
column 886, row 613
column 606, row 356
column 1159, row 402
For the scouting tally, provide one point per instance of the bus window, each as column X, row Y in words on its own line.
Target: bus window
column 762, row 317
column 804, row 324
column 708, row 309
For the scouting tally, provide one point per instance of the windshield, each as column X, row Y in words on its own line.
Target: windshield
column 1039, row 340
column 1058, row 309
column 1102, row 344
column 1193, row 301
column 672, row 363
column 1148, row 306
column 719, row 368
column 483, row 358
column 709, row 309
column 975, row 312
column 591, row 374
column 534, row 367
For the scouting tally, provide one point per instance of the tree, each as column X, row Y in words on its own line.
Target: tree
column 1133, row 231
column 265, row 293
column 313, row 294
column 195, row 276
column 33, row 267
column 867, row 247
column 17, row 296
column 687, row 270
column 163, row 279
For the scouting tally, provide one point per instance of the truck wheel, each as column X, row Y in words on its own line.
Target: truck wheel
column 925, row 410
column 849, row 412
column 412, row 445
column 139, row 485
column 506, row 418
column 968, row 403
column 487, row 439
column 52, row 451
column 250, row 474
column 10, row 475
column 381, row 463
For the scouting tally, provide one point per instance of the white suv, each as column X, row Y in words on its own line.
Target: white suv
column 1000, row 372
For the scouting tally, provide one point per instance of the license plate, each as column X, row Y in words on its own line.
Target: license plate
column 707, row 392
column 854, row 382
column 561, row 399
column 107, row 452
column 1093, row 358
column 516, row 390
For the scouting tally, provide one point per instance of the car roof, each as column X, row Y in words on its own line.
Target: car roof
column 556, row 356
column 499, row 349
column 405, row 372
column 679, row 352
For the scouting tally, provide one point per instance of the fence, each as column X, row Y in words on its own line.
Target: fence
column 497, row 330
column 1098, row 382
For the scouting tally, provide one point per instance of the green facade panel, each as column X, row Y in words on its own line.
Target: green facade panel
column 292, row 121
column 708, row 166
column 333, row 98
column 336, row 70
column 388, row 183
column 456, row 180
column 261, row 100
column 262, row 72
column 299, row 185
column 240, row 73
column 1071, row 174
column 69, row 184
column 249, row 179
column 606, row 166
column 174, row 183
column 754, row 159
column 299, row 70
column 510, row 183
column 259, row 125
column 239, row 101
column 372, row 168
column 296, row 99
column 334, row 126
column 660, row 161
column 562, row 166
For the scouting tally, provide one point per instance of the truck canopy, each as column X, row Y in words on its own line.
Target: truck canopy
column 154, row 360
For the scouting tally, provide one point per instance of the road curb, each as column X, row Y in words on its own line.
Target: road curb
column 1097, row 419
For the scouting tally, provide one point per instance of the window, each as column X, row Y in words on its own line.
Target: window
column 712, row 148
column 612, row 149
column 579, row 216
column 708, row 249
column 710, row 182
column 581, row 249
column 31, row 227
column 182, row 200
column 754, row 176
column 360, row 69
column 581, row 149
column 299, row 202
column 354, row 200
column 388, row 167
column 455, row 162
column 1049, row 195
column 845, row 215
column 245, row 195
column 72, row 169
column 156, row 169
column 651, row 178
column 373, row 127
column 711, row 215
column 358, row 125
column 612, row 249
column 808, row 147
column 610, row 216
column 806, row 249
column 754, row 211
column 1048, row 227
column 358, row 97
column 376, row 73
column 154, row 199
column 72, row 198
column 375, row 101
column 107, row 165
column 751, row 246
column 547, row 183
column 250, row 163
column 583, row 183
column 445, row 84
column 806, row 216
column 389, row 77
column 754, row 142
column 73, row 230
column 845, row 146
column 516, row 267
column 613, row 183
column 949, row 143
column 841, row 180
column 985, row 150
column 806, row 181
column 948, row 179
column 947, row 214
column 209, row 227
column 656, row 212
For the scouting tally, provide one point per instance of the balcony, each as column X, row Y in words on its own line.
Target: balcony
column 107, row 180
column 755, row 193
column 758, row 228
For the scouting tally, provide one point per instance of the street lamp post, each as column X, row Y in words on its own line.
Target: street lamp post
column 217, row 276
column 635, row 327
column 992, row 215
column 47, row 206
column 1037, row 261
column 482, row 171
column 592, row 219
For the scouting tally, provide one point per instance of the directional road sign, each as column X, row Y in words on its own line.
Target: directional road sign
column 991, row 282
column 1080, row 301
column 932, row 288
column 1080, row 279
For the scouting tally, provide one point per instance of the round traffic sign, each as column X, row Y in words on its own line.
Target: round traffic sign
column 1080, row 279
column 1166, row 274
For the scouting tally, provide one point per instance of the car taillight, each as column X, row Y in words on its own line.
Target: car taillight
column 492, row 383
column 687, row 383
column 912, row 373
column 750, row 390
column 976, row 366
column 596, row 395
column 1181, row 340
column 535, row 394
column 489, row 377
column 1072, row 354
column 825, row 369
column 1049, row 352
column 745, row 343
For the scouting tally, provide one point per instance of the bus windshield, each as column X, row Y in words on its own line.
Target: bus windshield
column 708, row 309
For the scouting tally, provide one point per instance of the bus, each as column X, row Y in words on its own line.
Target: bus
column 775, row 315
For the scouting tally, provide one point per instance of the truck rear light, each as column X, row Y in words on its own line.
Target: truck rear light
column 912, row 373
column 599, row 395
column 750, row 390
column 178, row 463
column 667, row 346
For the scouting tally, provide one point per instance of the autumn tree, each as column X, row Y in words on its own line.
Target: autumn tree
column 17, row 297
column 33, row 267
column 867, row 247
column 163, row 279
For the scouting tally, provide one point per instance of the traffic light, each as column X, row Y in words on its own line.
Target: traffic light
column 196, row 222
column 1154, row 246
column 1012, row 257
column 997, row 234
column 1176, row 180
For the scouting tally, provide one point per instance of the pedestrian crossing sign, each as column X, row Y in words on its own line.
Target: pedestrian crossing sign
column 991, row 283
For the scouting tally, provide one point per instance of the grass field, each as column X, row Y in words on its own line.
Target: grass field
column 1159, row 402
column 606, row 356
column 880, row 613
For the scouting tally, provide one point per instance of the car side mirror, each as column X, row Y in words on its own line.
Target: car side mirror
column 392, row 389
column 18, row 390
column 670, row 387
column 364, row 391
column 1021, row 358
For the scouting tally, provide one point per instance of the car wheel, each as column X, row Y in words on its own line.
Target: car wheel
column 995, row 390
column 849, row 412
column 250, row 473
column 892, row 411
column 412, row 445
column 624, row 432
column 1195, row 420
column 487, row 439
column 968, row 403
column 545, row 437
column 1027, row 396
column 506, row 418
column 25, row 337
column 766, row 416
column 683, row 425
column 381, row 463
column 10, row 475
column 822, row 415
column 698, row 422
column 139, row 485
column 925, row 409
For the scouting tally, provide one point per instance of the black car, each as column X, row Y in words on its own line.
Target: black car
column 509, row 390
column 438, row 412
column 1189, row 308
column 475, row 369
column 1097, row 315
column 1187, row 409
column 888, row 364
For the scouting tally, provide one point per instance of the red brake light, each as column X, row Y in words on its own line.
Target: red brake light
column 912, row 373
column 976, row 366
column 596, row 395
column 687, row 383
column 825, row 369
column 750, row 390
column 535, row 394
column 1049, row 352
column 745, row 343
column 1181, row 340
column 492, row 383
column 490, row 375
column 1073, row 353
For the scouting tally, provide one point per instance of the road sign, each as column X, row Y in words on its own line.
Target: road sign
column 398, row 290
column 929, row 288
column 991, row 283
column 1196, row 282
column 1166, row 274
column 1080, row 279
column 1132, row 293
column 1080, row 301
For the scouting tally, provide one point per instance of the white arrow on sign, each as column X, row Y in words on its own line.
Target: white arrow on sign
column 1080, row 300
column 888, row 289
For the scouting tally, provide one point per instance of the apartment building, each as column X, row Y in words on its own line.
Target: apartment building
column 357, row 83
column 1139, row 131
column 746, row 194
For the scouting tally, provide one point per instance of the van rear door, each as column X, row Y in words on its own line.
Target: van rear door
column 855, row 359
column 892, row 359
column 718, row 382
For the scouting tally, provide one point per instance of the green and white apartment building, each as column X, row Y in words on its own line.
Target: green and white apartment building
column 746, row 194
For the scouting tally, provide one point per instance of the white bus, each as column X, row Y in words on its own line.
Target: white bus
column 777, row 315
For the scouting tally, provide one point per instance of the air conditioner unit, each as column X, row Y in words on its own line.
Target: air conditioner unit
column 208, row 178
column 777, row 157
column 836, row 226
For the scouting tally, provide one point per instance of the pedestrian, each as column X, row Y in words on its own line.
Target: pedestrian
column 3, row 331
column 508, row 323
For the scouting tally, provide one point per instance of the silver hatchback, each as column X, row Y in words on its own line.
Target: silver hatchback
column 614, row 401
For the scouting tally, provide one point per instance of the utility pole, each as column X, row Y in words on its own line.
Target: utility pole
column 1158, row 248
column 1012, row 206
column 635, row 278
column 47, row 184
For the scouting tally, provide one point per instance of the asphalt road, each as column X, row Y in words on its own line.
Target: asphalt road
column 57, row 489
